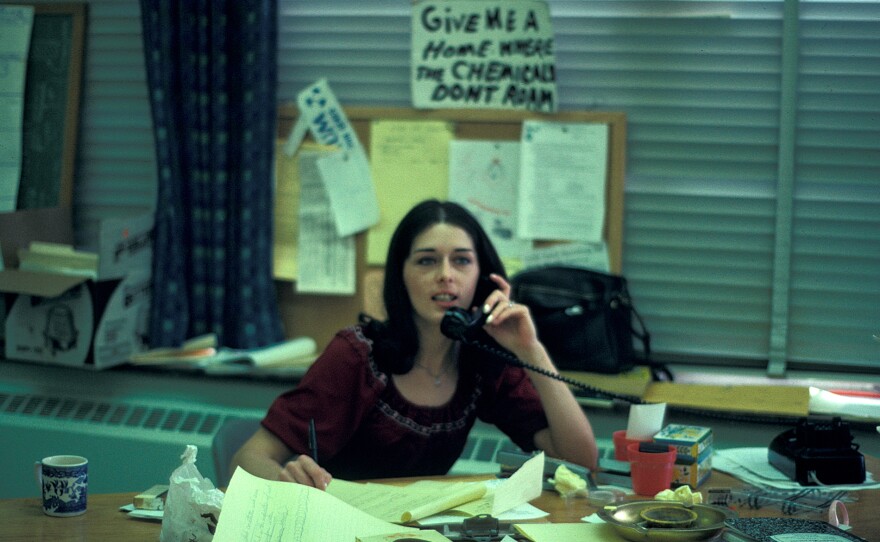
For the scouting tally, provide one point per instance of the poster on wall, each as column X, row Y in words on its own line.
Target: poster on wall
column 489, row 54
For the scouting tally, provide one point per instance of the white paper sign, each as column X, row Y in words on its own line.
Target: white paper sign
column 15, row 27
column 493, row 55
column 354, row 203
column 562, row 181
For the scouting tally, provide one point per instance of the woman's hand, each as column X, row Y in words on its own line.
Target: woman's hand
column 509, row 323
column 303, row 470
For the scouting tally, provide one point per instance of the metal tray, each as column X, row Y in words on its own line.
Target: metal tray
column 628, row 521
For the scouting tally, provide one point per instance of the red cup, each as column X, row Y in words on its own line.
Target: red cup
column 621, row 443
column 651, row 472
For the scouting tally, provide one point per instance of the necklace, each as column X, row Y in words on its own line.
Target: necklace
column 438, row 378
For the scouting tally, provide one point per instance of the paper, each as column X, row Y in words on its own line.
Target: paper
column 354, row 188
column 257, row 510
column 402, row 504
column 589, row 255
column 497, row 55
column 326, row 262
column 752, row 465
column 484, row 178
column 645, row 421
column 554, row 532
column 427, row 498
column 297, row 133
column 286, row 227
column 523, row 485
column 410, row 161
column 563, row 174
column 342, row 174
column 15, row 27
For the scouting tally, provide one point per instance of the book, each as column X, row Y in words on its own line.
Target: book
column 58, row 258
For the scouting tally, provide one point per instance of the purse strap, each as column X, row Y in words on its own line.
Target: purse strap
column 659, row 371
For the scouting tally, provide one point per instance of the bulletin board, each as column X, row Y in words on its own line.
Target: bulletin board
column 320, row 316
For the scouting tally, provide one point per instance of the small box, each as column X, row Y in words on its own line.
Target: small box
column 692, row 473
column 692, row 442
column 151, row 499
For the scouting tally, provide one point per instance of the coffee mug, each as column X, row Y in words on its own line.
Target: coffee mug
column 64, row 481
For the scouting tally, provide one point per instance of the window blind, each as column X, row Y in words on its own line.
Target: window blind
column 701, row 83
column 116, row 167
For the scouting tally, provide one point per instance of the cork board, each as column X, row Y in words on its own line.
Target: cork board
column 320, row 316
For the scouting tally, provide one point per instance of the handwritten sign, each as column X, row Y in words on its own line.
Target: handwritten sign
column 492, row 55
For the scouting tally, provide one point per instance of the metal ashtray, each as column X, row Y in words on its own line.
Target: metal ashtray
column 661, row 521
column 668, row 516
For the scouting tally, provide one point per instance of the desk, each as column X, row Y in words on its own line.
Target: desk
column 23, row 520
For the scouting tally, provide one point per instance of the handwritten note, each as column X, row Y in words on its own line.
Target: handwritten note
column 16, row 23
column 410, row 162
column 406, row 503
column 497, row 55
column 258, row 510
column 425, row 498
column 562, row 181
column 325, row 262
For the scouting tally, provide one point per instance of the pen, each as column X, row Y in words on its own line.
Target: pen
column 313, row 440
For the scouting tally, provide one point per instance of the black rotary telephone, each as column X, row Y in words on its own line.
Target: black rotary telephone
column 467, row 327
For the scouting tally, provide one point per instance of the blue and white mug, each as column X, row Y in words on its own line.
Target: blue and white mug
column 64, row 482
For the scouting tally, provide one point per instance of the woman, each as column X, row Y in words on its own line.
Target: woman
column 398, row 398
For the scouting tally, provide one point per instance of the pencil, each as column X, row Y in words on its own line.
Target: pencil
column 313, row 440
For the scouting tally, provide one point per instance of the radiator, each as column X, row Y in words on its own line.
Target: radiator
column 134, row 444
column 130, row 445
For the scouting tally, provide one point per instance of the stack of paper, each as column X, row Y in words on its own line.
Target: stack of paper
column 751, row 465
column 58, row 258
column 256, row 509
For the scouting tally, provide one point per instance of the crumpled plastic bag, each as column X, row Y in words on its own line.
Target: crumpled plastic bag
column 192, row 506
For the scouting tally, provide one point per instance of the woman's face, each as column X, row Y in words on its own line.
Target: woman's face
column 440, row 272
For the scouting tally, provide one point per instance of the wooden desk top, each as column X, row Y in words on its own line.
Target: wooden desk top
column 22, row 520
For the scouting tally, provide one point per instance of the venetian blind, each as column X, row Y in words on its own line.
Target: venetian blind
column 753, row 170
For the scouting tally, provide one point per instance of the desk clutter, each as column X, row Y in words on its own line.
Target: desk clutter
column 477, row 508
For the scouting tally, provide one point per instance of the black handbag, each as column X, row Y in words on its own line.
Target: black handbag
column 584, row 318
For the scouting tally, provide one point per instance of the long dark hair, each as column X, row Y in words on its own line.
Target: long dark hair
column 396, row 340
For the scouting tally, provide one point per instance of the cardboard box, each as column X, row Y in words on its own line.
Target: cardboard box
column 692, row 473
column 125, row 245
column 19, row 228
column 74, row 321
column 692, row 442
column 92, row 325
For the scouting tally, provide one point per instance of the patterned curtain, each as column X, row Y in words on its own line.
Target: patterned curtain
column 211, row 68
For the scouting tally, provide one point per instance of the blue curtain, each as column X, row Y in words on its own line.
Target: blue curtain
column 211, row 68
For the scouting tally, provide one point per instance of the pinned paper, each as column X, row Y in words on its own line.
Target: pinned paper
column 645, row 421
column 349, row 183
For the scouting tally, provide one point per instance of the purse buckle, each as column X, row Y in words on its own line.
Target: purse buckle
column 574, row 310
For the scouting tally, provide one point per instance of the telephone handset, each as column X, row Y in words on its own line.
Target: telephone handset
column 467, row 327
column 462, row 325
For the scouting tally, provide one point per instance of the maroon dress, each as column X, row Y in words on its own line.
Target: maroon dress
column 367, row 429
